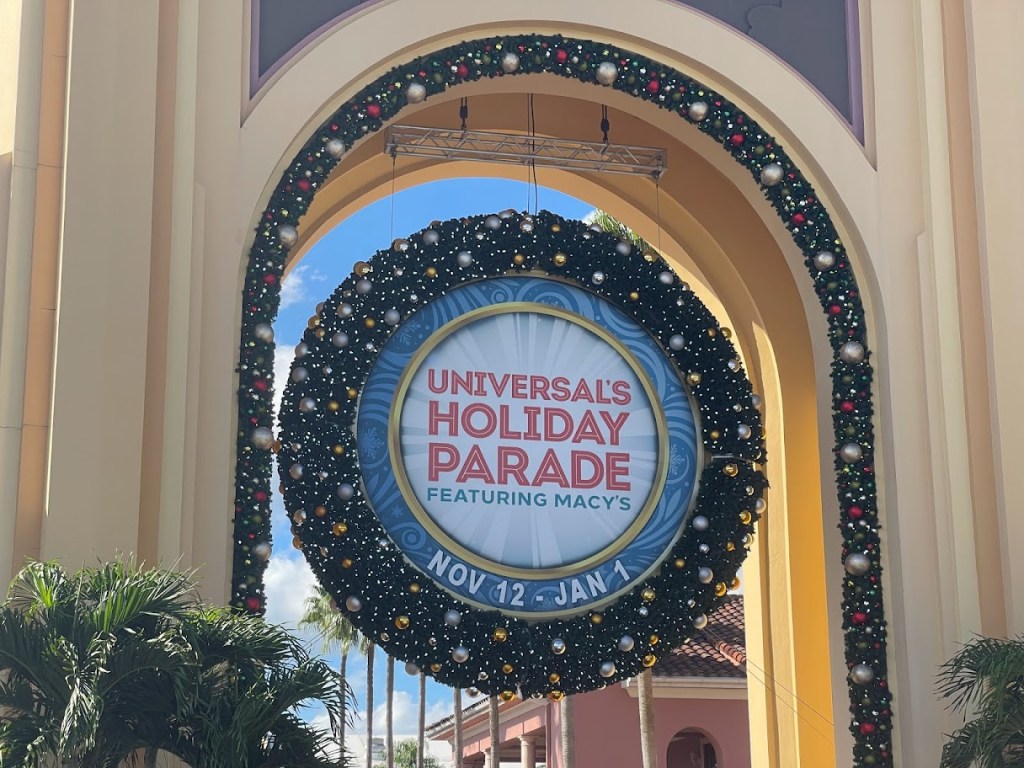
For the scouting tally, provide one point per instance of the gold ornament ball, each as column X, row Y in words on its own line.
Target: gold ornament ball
column 679, row 563
column 297, row 542
column 361, row 268
column 435, row 668
column 346, row 562
column 320, row 511
column 735, row 583
column 339, row 529
column 402, row 622
column 650, row 660
column 338, row 450
column 745, row 517
column 714, row 434
column 693, row 379
column 507, row 668
column 634, row 296
column 506, row 695
column 596, row 618
column 556, row 695
column 431, row 272
column 500, row 635
column 650, row 257
column 654, row 639
column 730, row 470
column 554, row 677
column 352, row 393
column 518, row 259
column 559, row 259
column 556, row 227
column 720, row 589
column 333, row 406
column 729, row 546
column 414, row 588
column 647, row 595
column 712, row 332
column 319, row 333
column 370, row 322
column 727, row 332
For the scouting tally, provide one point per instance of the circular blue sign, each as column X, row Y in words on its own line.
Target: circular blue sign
column 528, row 446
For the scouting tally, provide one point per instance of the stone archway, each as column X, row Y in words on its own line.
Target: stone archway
column 803, row 216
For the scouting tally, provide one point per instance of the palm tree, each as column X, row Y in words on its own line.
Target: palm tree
column 337, row 633
column 389, row 717
column 370, row 649
column 987, row 678
column 422, row 725
column 568, row 718
column 457, row 741
column 645, row 699
column 645, row 682
column 492, row 705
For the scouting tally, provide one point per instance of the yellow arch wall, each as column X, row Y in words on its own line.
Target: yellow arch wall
column 136, row 167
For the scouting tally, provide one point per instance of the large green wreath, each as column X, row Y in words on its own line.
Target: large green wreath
column 400, row 607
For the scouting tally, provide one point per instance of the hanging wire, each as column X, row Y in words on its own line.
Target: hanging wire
column 533, row 161
column 657, row 208
column 394, row 167
column 464, row 111
column 605, row 123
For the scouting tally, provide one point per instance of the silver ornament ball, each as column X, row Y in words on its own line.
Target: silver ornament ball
column 301, row 349
column 464, row 259
column 452, row 617
column 481, row 675
column 460, row 654
column 824, row 260
column 771, row 174
column 704, row 549
column 510, row 62
column 606, row 73
column 644, row 611
column 744, row 432
column 335, row 148
column 363, row 287
column 340, row 340
column 851, row 453
column 851, row 352
column 299, row 374
column 624, row 247
column 344, row 310
column 493, row 222
column 558, row 646
column 392, row 317
column 862, row 674
column 263, row 438
column 526, row 225
column 411, row 669
column 760, row 505
column 346, row 491
column 857, row 563
column 676, row 342
column 431, row 237
column 756, row 400
column 700, row 523
column 288, row 235
column 607, row 669
column 597, row 278
column 700, row 621
column 263, row 550
column 626, row 644
column 705, row 575
column 415, row 93
column 697, row 111
column 295, row 471
column 307, row 405
column 666, row 278
column 353, row 603
column 508, row 213
column 264, row 332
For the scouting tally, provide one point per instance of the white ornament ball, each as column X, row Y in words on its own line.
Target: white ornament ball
column 493, row 222
column 756, row 400
column 626, row 644
column 700, row 523
column 700, row 621
column 666, row 278
column 295, row 471
column 340, row 340
column 624, row 247
column 263, row 438
column 857, row 563
column 705, row 575
column 363, row 287
column 263, row 550
column 862, row 674
column 697, row 111
column 392, row 317
column 607, row 669
column 431, row 237
column 824, row 260
column 607, row 73
column 464, row 259
column 299, row 374
column 264, row 332
column 415, row 93
column 346, row 491
column 344, row 310
column 558, row 646
column 307, row 405
column 676, row 342
column 411, row 669
column 771, row 174
column 851, row 352
column 335, row 148
column 743, row 432
column 288, row 235
column 460, row 654
column 354, row 604
column 510, row 62
column 851, row 453
column 452, row 617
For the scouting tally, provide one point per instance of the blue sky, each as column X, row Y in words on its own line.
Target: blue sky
column 326, row 264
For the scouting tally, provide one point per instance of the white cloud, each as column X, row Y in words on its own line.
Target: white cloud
column 293, row 287
column 282, row 367
column 288, row 582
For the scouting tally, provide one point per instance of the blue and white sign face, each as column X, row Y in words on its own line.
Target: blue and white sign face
column 528, row 446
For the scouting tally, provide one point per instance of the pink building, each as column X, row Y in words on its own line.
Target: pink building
column 700, row 695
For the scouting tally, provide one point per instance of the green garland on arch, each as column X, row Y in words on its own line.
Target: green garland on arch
column 786, row 190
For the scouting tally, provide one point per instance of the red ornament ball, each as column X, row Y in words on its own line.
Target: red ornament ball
column 846, row 406
column 373, row 110
column 859, row 617
column 653, row 87
column 304, row 185
column 462, row 71
column 260, row 385
column 736, row 139
column 855, row 513
column 253, row 603
column 561, row 56
column 866, row 729
column 798, row 218
column 260, row 495
column 835, row 309
column 270, row 279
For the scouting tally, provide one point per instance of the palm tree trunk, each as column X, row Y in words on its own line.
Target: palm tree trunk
column 420, row 734
column 567, row 712
column 457, row 740
column 495, row 734
column 389, row 743
column 344, row 702
column 645, row 699
column 369, row 706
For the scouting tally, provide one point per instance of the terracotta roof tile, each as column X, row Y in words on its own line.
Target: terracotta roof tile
column 718, row 650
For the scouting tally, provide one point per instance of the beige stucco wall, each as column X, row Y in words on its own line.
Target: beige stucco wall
column 133, row 167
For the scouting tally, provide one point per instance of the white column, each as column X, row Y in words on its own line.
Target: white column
column 528, row 751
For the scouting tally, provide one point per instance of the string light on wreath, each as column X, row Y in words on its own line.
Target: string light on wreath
column 793, row 199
